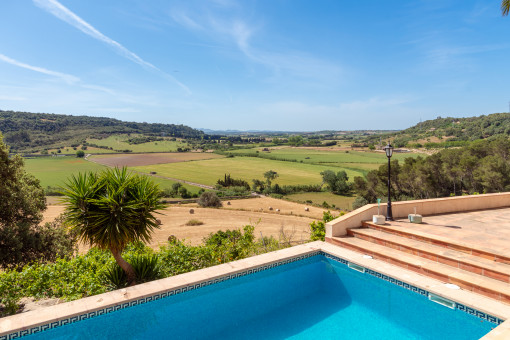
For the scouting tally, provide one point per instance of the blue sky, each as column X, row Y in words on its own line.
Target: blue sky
column 265, row 65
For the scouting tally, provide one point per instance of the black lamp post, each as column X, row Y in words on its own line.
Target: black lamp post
column 389, row 152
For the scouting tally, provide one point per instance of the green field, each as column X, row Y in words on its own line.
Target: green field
column 330, row 157
column 340, row 202
column 118, row 142
column 54, row 171
column 167, row 184
column 247, row 168
column 359, row 161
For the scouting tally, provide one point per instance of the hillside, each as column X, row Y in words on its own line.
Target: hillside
column 25, row 131
column 450, row 131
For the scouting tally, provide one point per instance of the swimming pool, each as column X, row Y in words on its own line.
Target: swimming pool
column 312, row 296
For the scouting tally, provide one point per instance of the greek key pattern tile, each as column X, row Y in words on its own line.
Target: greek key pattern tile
column 479, row 314
column 162, row 295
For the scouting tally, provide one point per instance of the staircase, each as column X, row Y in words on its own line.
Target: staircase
column 482, row 271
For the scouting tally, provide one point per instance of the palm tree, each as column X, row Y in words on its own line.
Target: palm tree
column 111, row 209
column 505, row 6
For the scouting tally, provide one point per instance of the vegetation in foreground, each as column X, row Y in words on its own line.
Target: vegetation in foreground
column 111, row 209
column 73, row 277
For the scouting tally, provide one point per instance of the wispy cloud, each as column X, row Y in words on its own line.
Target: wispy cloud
column 448, row 55
column 13, row 98
column 67, row 78
column 70, row 79
column 234, row 29
column 63, row 13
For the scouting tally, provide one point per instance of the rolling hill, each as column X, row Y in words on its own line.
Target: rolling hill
column 25, row 131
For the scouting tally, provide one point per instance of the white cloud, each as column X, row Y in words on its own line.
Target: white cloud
column 64, row 14
column 70, row 79
column 13, row 98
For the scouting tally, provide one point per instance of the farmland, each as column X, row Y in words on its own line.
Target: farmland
column 53, row 171
column 119, row 142
column 292, row 218
column 326, row 156
column 151, row 158
column 247, row 168
column 340, row 202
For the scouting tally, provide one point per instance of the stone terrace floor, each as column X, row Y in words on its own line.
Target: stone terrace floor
column 487, row 229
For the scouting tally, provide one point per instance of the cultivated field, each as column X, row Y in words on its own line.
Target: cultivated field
column 54, row 171
column 239, row 214
column 344, row 158
column 209, row 171
column 340, row 202
column 119, row 142
column 121, row 160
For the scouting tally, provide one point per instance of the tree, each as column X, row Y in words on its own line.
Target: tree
column 269, row 176
column 505, row 6
column 209, row 199
column 80, row 154
column 21, row 204
column 111, row 209
column 337, row 183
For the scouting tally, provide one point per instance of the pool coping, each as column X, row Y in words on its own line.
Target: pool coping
column 31, row 322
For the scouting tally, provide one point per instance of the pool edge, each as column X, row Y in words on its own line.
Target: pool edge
column 50, row 317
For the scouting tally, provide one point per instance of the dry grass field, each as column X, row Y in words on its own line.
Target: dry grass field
column 292, row 217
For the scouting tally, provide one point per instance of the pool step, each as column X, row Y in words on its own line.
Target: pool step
column 475, row 264
column 467, row 280
column 441, row 241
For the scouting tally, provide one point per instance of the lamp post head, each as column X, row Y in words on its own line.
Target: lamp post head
column 389, row 150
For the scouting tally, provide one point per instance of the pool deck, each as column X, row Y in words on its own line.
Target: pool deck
column 485, row 229
column 14, row 326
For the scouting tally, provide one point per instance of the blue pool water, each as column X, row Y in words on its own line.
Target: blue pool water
column 314, row 298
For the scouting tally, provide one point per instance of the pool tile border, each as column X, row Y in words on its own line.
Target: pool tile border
column 193, row 286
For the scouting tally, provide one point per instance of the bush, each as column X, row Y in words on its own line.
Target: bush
column 209, row 199
column 318, row 228
column 80, row 154
column 26, row 243
column 146, row 266
column 194, row 222
column 359, row 202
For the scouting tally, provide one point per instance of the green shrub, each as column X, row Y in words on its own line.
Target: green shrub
column 146, row 266
column 209, row 199
column 318, row 228
column 115, row 276
column 25, row 243
column 10, row 293
column 194, row 222
column 359, row 202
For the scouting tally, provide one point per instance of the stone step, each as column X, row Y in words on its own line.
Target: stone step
column 467, row 280
column 475, row 264
column 441, row 241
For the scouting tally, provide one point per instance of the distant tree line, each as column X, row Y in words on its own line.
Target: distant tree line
column 24, row 130
column 452, row 132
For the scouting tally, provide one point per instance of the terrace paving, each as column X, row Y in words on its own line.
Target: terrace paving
column 487, row 229
column 469, row 249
